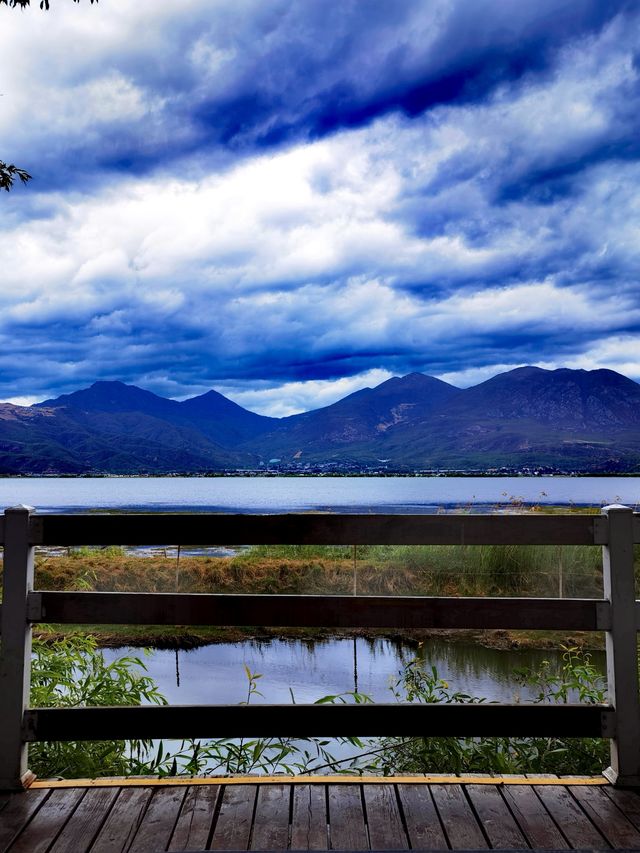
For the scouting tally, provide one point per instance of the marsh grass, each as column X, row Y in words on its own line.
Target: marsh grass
column 520, row 570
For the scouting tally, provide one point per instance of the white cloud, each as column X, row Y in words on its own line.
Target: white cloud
column 619, row 352
column 23, row 401
column 429, row 241
column 290, row 398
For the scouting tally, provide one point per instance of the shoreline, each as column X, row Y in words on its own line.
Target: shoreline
column 182, row 639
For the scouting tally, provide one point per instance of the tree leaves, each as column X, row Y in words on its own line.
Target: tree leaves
column 10, row 173
column 44, row 4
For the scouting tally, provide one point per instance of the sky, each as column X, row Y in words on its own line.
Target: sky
column 292, row 200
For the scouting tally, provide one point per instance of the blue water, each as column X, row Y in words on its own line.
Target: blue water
column 300, row 494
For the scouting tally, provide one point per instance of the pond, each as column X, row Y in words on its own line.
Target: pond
column 313, row 669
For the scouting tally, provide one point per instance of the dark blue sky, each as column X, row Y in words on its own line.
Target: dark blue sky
column 290, row 200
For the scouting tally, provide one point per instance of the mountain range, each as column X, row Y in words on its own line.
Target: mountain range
column 525, row 418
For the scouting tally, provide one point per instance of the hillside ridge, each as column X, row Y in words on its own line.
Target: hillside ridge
column 528, row 417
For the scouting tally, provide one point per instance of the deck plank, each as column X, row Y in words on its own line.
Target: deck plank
column 498, row 822
column 17, row 813
column 48, row 821
column 605, row 814
column 534, row 820
column 124, row 819
column 159, row 820
column 309, row 818
column 347, row 826
column 575, row 825
column 459, row 822
column 271, row 822
column 233, row 827
column 423, row 824
column 85, row 823
column 386, row 831
column 627, row 801
column 195, row 820
column 345, row 815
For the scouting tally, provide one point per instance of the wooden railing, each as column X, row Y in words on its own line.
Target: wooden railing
column 617, row 614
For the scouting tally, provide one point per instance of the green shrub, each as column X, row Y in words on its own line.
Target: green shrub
column 577, row 679
column 70, row 673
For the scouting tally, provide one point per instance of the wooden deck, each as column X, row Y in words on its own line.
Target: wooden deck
column 436, row 814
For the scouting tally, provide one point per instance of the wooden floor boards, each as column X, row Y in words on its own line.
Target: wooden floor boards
column 368, row 815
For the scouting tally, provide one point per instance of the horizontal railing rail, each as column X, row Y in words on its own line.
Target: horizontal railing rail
column 617, row 614
column 184, row 721
column 318, row 611
column 318, row 529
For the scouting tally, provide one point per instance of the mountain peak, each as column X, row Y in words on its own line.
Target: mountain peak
column 111, row 396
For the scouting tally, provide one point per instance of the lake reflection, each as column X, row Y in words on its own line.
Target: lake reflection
column 312, row 669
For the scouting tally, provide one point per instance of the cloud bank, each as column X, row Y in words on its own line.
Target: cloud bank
column 288, row 202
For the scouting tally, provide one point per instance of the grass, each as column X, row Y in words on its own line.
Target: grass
column 375, row 570
column 431, row 569
column 516, row 570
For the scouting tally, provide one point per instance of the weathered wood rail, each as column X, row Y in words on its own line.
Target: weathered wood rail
column 617, row 529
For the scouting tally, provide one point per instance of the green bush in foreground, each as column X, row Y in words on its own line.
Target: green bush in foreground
column 72, row 672
column 578, row 680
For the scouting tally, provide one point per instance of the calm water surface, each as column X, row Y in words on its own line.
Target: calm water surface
column 299, row 494
column 215, row 673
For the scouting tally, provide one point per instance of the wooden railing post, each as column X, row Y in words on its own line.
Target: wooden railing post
column 622, row 647
column 15, row 654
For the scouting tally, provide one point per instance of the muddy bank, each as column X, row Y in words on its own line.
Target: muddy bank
column 184, row 639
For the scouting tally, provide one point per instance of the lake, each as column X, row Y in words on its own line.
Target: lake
column 301, row 494
column 312, row 669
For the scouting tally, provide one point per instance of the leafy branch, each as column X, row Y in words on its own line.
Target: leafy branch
column 10, row 173
column 44, row 4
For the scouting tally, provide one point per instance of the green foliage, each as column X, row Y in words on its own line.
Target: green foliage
column 295, row 552
column 436, row 569
column 494, row 569
column 71, row 673
column 577, row 680
column 107, row 551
